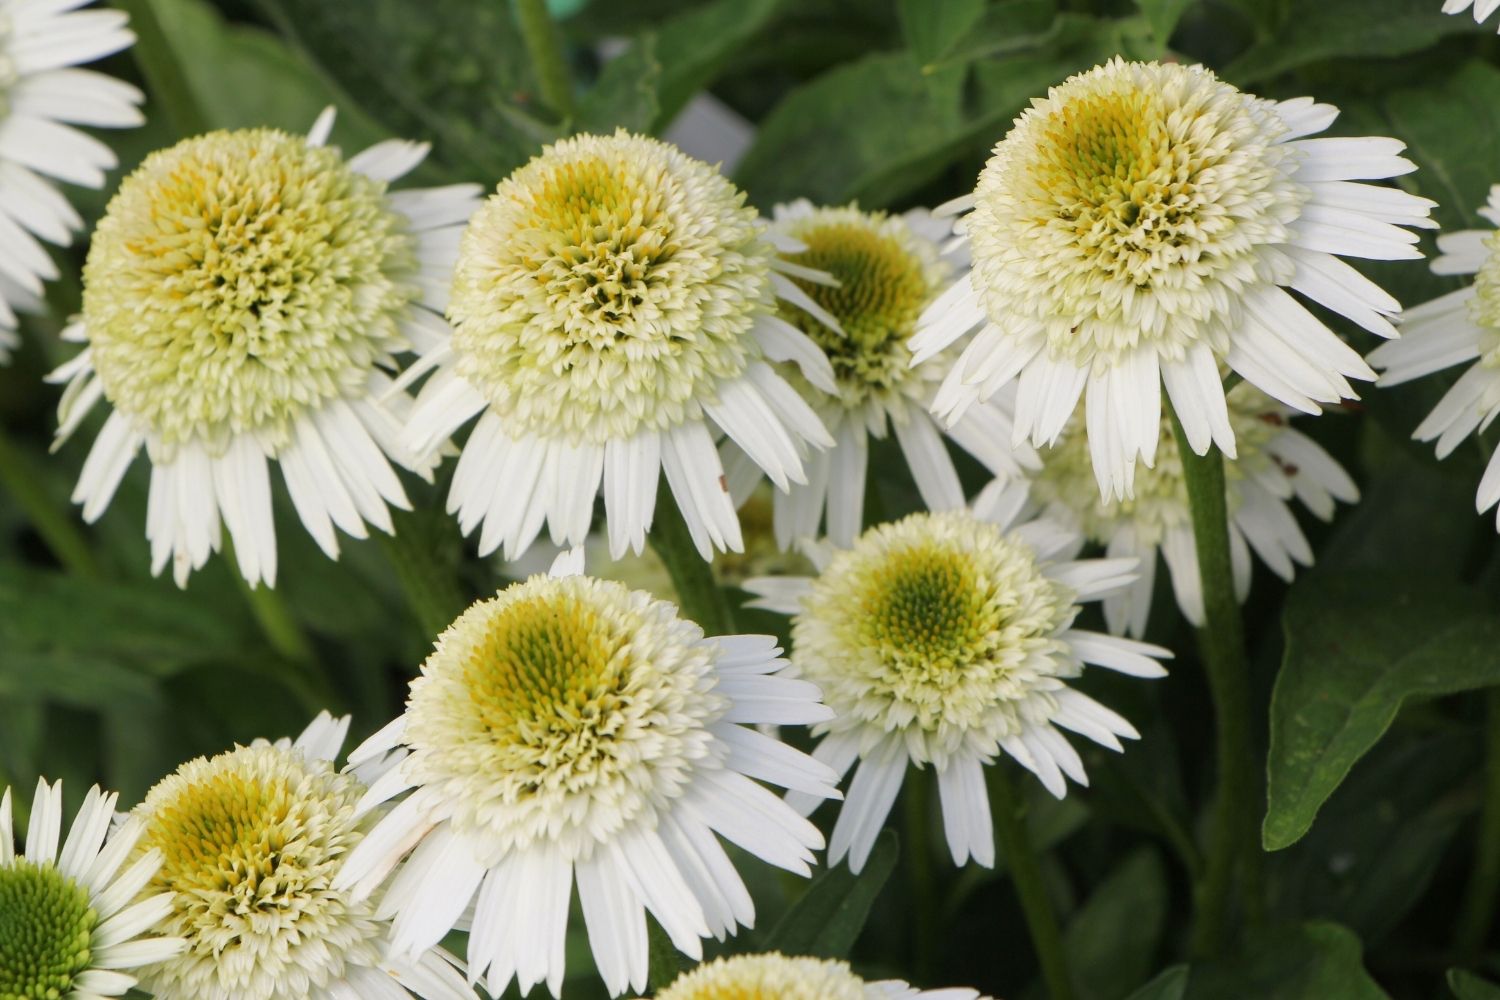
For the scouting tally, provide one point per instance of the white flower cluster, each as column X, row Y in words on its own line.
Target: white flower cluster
column 614, row 313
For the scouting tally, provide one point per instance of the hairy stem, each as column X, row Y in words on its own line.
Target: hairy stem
column 1026, row 875
column 544, row 45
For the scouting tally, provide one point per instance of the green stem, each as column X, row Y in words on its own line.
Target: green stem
column 1026, row 875
column 698, row 593
column 429, row 581
column 1233, row 845
column 1478, row 910
column 544, row 45
column 163, row 71
column 55, row 526
column 293, row 648
column 664, row 964
column 917, row 844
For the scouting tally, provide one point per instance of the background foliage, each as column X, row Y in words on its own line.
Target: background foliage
column 1374, row 674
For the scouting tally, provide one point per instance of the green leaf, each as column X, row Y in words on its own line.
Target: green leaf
column 827, row 920
column 1356, row 648
column 1338, row 29
column 1172, row 984
column 1379, row 840
column 695, row 46
column 1111, row 939
column 933, row 27
column 1453, row 129
column 1467, row 986
column 875, row 129
column 1313, row 961
column 1162, row 16
column 625, row 95
column 243, row 77
column 452, row 71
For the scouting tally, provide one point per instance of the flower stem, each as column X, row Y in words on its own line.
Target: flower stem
column 295, row 651
column 1478, row 910
column 544, row 45
column 664, row 963
column 1233, row 845
column 1026, row 875
column 427, row 578
column 55, row 526
column 917, row 847
column 163, row 71
column 698, row 593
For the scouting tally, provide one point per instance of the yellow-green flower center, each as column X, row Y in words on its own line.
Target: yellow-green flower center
column 561, row 708
column 1130, row 206
column 933, row 625
column 887, row 275
column 46, row 932
column 767, row 977
column 607, row 286
column 1160, row 502
column 251, row 841
column 239, row 280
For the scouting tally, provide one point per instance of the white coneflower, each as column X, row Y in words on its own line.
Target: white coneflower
column 773, row 976
column 1452, row 329
column 240, row 295
column 73, row 925
column 575, row 729
column 887, row 269
column 943, row 639
column 42, row 95
column 1482, row 8
column 252, row 840
column 1142, row 224
column 614, row 301
column 1276, row 463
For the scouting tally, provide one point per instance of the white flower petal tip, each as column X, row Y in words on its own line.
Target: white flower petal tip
column 78, row 895
column 1167, row 296
column 1274, row 466
column 299, row 383
column 776, row 975
column 647, row 748
column 944, row 639
column 678, row 355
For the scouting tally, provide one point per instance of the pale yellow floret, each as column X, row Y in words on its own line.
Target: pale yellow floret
column 562, row 709
column 887, row 275
column 767, row 977
column 239, row 280
column 252, row 840
column 1132, row 205
column 1160, row 503
column 1484, row 306
column 606, row 287
column 940, row 627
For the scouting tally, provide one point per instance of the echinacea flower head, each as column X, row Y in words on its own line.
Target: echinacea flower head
column 73, row 922
column 1482, row 8
column 240, row 295
column 613, row 300
column 885, row 270
column 251, row 840
column 1275, row 465
column 1461, row 326
column 42, row 97
column 774, row 976
column 1140, row 226
column 570, row 728
column 942, row 639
